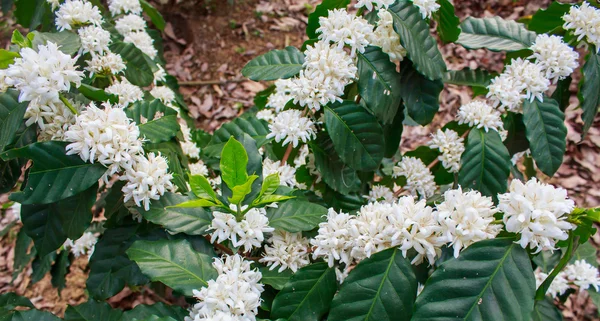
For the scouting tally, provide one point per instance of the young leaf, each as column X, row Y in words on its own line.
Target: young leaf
column 307, row 295
column 173, row 263
column 322, row 10
column 11, row 116
column 201, row 187
column 546, row 20
column 357, row 136
column 495, row 34
column 447, row 22
column 380, row 288
column 194, row 203
column 7, row 58
column 589, row 96
column 490, row 280
column 415, row 37
column 240, row 191
column 296, row 216
column 234, row 160
column 420, row 95
column 275, row 64
column 485, row 163
column 191, row 221
column 268, row 199
column 269, row 186
column 20, row 40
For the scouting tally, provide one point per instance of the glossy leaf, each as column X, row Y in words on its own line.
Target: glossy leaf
column 296, row 216
column 201, row 187
column 308, row 294
column 589, row 96
column 191, row 221
column 490, row 280
column 155, row 16
column 7, row 58
column 495, row 34
column 420, row 95
column 155, row 130
column 336, row 173
column 546, row 20
column 11, row 116
column 274, row 278
column 448, row 22
column 357, row 136
column 92, row 311
column 468, row 77
column 97, row 94
column 545, row 310
column 234, row 160
column 275, row 64
column 239, row 192
column 11, row 300
column 485, row 164
column 138, row 70
column 269, row 186
column 173, row 263
column 145, row 311
column 42, row 223
column 29, row 315
column 380, row 288
column 393, row 133
column 322, row 10
column 415, row 37
column 546, row 131
column 67, row 41
column 254, row 127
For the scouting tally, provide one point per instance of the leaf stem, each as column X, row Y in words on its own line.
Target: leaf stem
column 68, row 104
column 540, row 294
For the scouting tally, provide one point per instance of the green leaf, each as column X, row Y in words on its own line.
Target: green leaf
column 562, row 93
column 274, row 278
column 195, row 203
column 468, row 77
column 9, row 301
column 20, row 40
column 307, row 295
column 322, row 10
column 75, row 212
column 10, row 171
column 547, row 260
column 447, row 22
column 275, row 64
column 586, row 252
column 7, row 58
column 60, row 269
column 393, row 133
column 67, row 41
column 269, row 186
column 356, row 135
column 516, row 140
column 138, row 70
column 92, row 311
column 336, row 173
column 174, row 263
column 379, row 83
column 546, row 20
column 495, row 34
column 240, row 191
column 546, row 132
column 595, row 297
column 191, row 221
column 268, row 199
column 234, row 160
column 545, row 310
column 154, row 130
column 145, row 311
column 41, row 265
column 589, row 95
column 11, row 116
column 201, row 187
column 21, row 255
column 485, row 164
column 29, row 315
column 54, row 175
column 490, row 280
column 254, row 127
column 155, row 16
column 415, row 37
column 44, row 226
column 32, row 13
column 420, row 95
column 296, row 216
column 382, row 287
column 97, row 94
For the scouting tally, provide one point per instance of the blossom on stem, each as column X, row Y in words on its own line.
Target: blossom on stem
column 419, row 179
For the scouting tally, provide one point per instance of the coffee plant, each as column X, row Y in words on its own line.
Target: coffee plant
column 305, row 207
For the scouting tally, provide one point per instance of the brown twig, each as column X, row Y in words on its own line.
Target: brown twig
column 288, row 151
column 211, row 82
column 221, row 247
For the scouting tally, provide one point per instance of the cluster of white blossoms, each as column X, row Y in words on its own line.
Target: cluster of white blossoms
column 82, row 246
column 287, row 173
column 387, row 38
column 451, row 147
column 580, row 274
column 291, row 127
column 585, row 21
column 189, row 147
column 126, row 91
column 198, row 168
column 94, row 39
column 481, row 115
column 343, row 28
column 133, row 29
column 108, row 64
column 538, row 212
column 377, row 4
column 419, row 180
column 287, row 251
column 233, row 295
column 426, row 7
column 118, row 7
column 247, row 233
column 554, row 56
column 380, row 193
column 148, row 179
column 76, row 13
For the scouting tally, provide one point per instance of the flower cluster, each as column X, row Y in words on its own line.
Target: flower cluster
column 343, row 28
column 580, row 274
column 82, row 246
column 380, row 193
column 287, row 173
column 426, row 7
column 291, row 127
column 377, row 4
column 76, row 13
column 585, row 21
column 387, row 38
column 450, row 146
column 480, row 115
column 247, row 233
column 189, row 147
column 287, row 251
column 419, row 180
column 147, row 179
column 133, row 29
column 233, row 295
column 118, row 7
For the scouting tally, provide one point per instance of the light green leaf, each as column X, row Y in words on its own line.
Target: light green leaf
column 7, row 58
column 420, row 95
column 589, row 96
column 201, row 187
column 586, row 252
column 155, row 16
column 545, row 310
column 11, row 116
column 296, row 216
column 67, row 41
column 164, row 212
column 269, row 185
column 234, row 160
column 18, row 39
column 490, row 280
column 194, row 203
column 447, row 22
column 495, row 34
column 268, row 199
column 240, row 191
column 173, row 263
column 275, row 64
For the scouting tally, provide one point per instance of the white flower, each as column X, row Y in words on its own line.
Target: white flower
column 291, row 127
column 223, row 227
column 117, row 7
column 555, row 57
column 467, row 218
column 41, row 76
column 559, row 285
column 57, row 119
column 82, row 246
column 341, row 275
column 328, row 65
column 517, row 156
column 370, row 4
column 249, row 232
column 281, row 96
column 164, row 93
column 190, row 149
column 130, row 23
column 303, row 153
column 143, row 42
column 585, row 20
column 107, row 64
column 286, row 250
column 287, row 174
column 334, row 242
column 313, row 94
column 538, row 212
column 426, row 7
column 583, row 274
column 160, row 75
column 418, row 177
column 75, row 13
column 451, row 146
column 266, row 115
column 94, row 39
column 127, row 92
column 505, row 94
column 234, row 295
column 148, row 179
column 106, row 136
column 380, row 193
column 480, row 115
column 343, row 28
column 415, row 226
column 370, row 230
column 386, row 38
column 198, row 168
column 529, row 77
column 53, row 3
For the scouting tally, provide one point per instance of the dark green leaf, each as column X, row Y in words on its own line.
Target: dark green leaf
column 22, row 253
column 420, row 95
column 379, row 83
column 40, row 266
column 322, row 10
column 144, row 311
column 393, row 133
column 546, row 20
column 254, row 127
column 11, row 116
column 589, row 95
column 10, row 171
column 274, row 278
column 545, row 310
column 415, row 37
column 307, row 295
column 562, row 94
column 44, row 226
column 75, row 212
column 138, row 70
column 29, row 315
column 60, row 269
column 173, row 263
column 154, row 15
column 154, row 130
column 468, row 77
column 92, row 311
column 275, row 64
column 546, row 131
column 447, row 22
column 11, row 300
column 336, row 173
column 67, row 41
column 485, row 164
column 31, row 13
column 490, row 280
column 97, row 94
column 495, row 34
column 516, row 140
column 296, row 216
column 380, row 288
